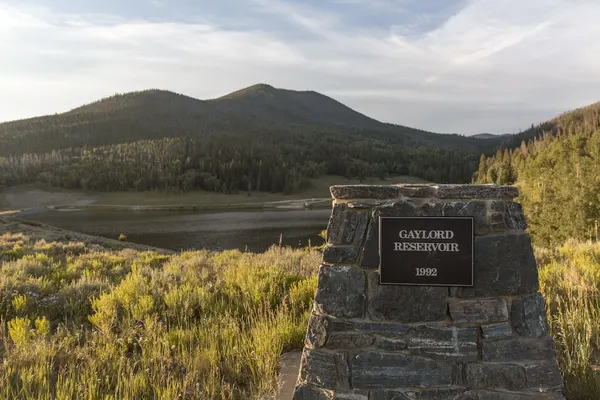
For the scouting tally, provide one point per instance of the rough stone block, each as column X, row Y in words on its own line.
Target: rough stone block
column 479, row 310
column 493, row 395
column 473, row 208
column 349, row 340
column 507, row 215
column 344, row 192
column 339, row 324
column 528, row 315
column 495, row 375
column 303, row 392
column 416, row 190
column 452, row 393
column 445, row 341
column 405, row 303
column 498, row 206
column 458, row 376
column 515, row 217
column 325, row 370
column 536, row 376
column 364, row 204
column 317, row 332
column 391, row 343
column 342, row 364
column 354, row 395
column 476, row 192
column 515, row 349
column 544, row 376
column 430, row 209
column 497, row 222
column 340, row 255
column 503, row 265
column 370, row 327
column 497, row 331
column 375, row 370
column 341, row 291
column 370, row 254
column 346, row 226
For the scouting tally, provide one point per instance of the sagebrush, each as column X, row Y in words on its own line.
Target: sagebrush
column 140, row 325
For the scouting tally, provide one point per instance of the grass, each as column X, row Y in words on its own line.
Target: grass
column 570, row 282
column 80, row 322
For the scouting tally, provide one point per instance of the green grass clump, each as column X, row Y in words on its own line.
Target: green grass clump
column 570, row 282
column 81, row 324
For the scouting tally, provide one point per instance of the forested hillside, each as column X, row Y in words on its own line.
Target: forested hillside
column 557, row 168
column 259, row 138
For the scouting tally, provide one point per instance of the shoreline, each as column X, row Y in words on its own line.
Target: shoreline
column 31, row 199
column 304, row 204
column 12, row 224
column 285, row 205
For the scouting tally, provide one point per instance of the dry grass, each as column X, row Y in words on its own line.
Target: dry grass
column 570, row 281
column 81, row 324
column 84, row 322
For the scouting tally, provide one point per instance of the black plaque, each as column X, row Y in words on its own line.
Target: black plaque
column 436, row 251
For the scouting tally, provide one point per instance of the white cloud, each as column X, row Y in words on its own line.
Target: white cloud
column 497, row 65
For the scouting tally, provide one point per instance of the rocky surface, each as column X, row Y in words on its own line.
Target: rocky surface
column 368, row 341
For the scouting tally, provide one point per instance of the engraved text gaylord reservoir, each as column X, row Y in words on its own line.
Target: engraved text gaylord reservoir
column 412, row 246
column 423, row 234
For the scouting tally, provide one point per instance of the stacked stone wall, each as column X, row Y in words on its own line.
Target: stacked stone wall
column 367, row 341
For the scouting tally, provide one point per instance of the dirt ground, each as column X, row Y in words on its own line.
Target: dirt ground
column 37, row 231
column 39, row 196
column 29, row 197
column 290, row 366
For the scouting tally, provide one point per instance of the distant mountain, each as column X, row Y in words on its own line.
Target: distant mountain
column 295, row 107
column 258, row 138
column 153, row 114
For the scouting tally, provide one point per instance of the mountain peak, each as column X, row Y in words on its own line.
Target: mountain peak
column 156, row 98
column 251, row 91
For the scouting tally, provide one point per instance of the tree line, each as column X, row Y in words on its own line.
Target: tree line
column 230, row 163
column 558, row 173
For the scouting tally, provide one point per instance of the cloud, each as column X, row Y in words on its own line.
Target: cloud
column 471, row 66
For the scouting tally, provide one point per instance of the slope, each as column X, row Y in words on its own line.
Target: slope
column 503, row 168
column 153, row 114
column 257, row 139
column 558, row 173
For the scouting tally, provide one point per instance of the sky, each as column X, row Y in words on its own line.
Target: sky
column 449, row 66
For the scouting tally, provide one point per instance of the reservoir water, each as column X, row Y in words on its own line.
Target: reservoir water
column 244, row 230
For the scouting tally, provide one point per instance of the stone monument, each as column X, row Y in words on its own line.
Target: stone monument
column 485, row 340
